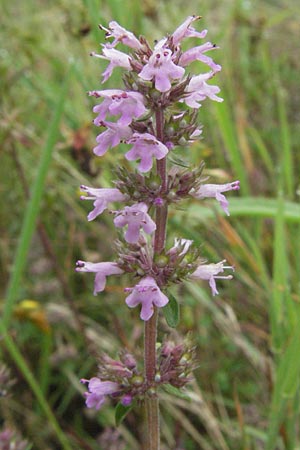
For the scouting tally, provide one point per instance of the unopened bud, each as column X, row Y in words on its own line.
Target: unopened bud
column 137, row 380
column 126, row 400
column 153, row 185
column 136, row 194
column 157, row 377
column 151, row 391
column 140, row 272
column 161, row 261
column 155, row 95
column 169, row 130
column 129, row 360
column 185, row 358
column 171, row 196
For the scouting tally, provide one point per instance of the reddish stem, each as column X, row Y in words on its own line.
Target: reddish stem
column 152, row 403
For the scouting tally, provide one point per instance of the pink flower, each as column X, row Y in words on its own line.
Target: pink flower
column 148, row 294
column 185, row 30
column 210, row 272
column 120, row 34
column 111, row 137
column 135, row 217
column 98, row 390
column 161, row 68
column 198, row 90
column 215, row 190
column 102, row 270
column 196, row 54
column 115, row 58
column 102, row 197
column 145, row 147
column 129, row 104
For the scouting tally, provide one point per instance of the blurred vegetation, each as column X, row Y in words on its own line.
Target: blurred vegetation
column 246, row 391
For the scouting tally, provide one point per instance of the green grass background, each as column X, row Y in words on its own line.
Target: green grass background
column 246, row 390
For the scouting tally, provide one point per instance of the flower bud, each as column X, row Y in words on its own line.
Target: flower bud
column 161, row 261
column 153, row 185
column 157, row 377
column 140, row 272
column 137, row 380
column 185, row 358
column 151, row 391
column 136, row 195
column 171, row 196
column 126, row 400
column 129, row 360
column 155, row 95
column 182, row 141
column 169, row 130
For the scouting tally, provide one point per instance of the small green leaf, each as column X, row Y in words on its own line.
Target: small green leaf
column 121, row 412
column 171, row 311
column 175, row 391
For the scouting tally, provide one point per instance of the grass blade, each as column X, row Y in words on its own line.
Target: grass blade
column 22, row 365
column 33, row 207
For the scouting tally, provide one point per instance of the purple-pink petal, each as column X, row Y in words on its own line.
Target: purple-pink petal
column 185, row 30
column 210, row 272
column 128, row 104
column 148, row 294
column 102, row 197
column 102, row 270
column 198, row 90
column 135, row 217
column 215, row 190
column 196, row 54
column 145, row 147
column 97, row 390
column 161, row 69
column 132, row 233
column 114, row 134
column 120, row 34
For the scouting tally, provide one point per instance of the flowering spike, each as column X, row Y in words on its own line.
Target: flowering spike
column 151, row 114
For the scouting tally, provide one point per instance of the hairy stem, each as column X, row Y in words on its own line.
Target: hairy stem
column 152, row 402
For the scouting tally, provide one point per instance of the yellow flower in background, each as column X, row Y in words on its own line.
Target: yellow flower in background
column 32, row 311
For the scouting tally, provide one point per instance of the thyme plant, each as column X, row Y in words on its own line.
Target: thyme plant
column 155, row 112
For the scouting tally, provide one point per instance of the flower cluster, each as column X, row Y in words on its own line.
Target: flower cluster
column 156, row 112
column 123, row 381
